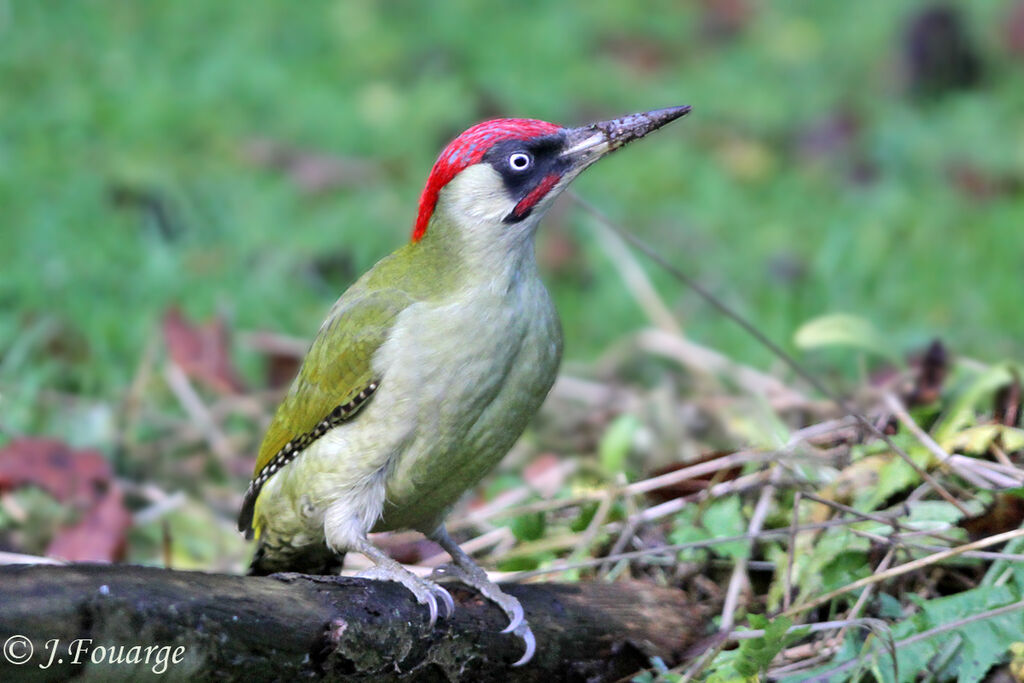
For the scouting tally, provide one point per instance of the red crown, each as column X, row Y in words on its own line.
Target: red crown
column 468, row 149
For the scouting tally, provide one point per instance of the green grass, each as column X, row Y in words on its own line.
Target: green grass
column 163, row 96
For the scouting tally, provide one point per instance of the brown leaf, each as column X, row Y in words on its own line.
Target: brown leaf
column 68, row 475
column 79, row 478
column 1005, row 514
column 99, row 536
column 202, row 351
column 694, row 484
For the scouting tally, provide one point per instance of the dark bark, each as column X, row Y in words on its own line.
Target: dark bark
column 291, row 626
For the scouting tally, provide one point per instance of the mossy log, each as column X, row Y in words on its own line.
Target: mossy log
column 109, row 622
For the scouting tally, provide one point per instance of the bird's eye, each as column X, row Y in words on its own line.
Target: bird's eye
column 520, row 161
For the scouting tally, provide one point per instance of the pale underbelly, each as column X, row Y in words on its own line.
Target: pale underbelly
column 433, row 429
column 471, row 430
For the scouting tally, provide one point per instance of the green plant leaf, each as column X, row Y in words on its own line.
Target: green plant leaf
column 724, row 518
column 843, row 329
column 980, row 644
column 971, row 400
column 616, row 442
column 528, row 527
column 754, row 656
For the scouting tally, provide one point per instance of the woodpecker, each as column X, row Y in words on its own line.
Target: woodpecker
column 428, row 369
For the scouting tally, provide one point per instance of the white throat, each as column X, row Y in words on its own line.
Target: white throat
column 474, row 205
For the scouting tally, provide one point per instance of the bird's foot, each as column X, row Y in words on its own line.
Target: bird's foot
column 477, row 578
column 425, row 591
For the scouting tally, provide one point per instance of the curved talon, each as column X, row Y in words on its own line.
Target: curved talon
column 465, row 570
column 446, row 598
column 516, row 618
column 531, row 644
column 431, row 603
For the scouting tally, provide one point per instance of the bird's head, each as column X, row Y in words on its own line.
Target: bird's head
column 500, row 176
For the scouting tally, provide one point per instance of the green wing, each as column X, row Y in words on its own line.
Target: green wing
column 335, row 380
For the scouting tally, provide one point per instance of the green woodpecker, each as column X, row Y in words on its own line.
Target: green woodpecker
column 429, row 367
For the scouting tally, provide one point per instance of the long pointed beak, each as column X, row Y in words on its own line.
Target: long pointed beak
column 587, row 144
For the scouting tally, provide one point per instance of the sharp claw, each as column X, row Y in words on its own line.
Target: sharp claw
column 516, row 618
column 531, row 645
column 446, row 597
column 432, row 606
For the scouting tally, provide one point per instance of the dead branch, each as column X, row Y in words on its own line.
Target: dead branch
column 291, row 626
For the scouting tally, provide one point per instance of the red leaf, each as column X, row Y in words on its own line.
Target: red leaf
column 99, row 536
column 80, row 478
column 67, row 475
column 202, row 351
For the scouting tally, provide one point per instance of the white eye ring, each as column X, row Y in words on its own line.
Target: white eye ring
column 520, row 161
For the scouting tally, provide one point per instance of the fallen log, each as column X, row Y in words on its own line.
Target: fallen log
column 109, row 622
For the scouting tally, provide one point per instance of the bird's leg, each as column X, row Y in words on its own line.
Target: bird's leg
column 464, row 569
column 387, row 569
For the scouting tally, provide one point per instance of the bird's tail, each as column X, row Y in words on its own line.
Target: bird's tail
column 309, row 559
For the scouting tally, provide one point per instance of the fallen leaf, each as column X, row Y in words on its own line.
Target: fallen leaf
column 99, row 536
column 686, row 487
column 1005, row 514
column 202, row 351
column 82, row 479
column 68, row 475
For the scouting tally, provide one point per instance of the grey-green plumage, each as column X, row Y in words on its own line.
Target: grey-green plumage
column 429, row 367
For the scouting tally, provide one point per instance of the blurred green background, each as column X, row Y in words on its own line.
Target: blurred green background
column 253, row 158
